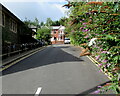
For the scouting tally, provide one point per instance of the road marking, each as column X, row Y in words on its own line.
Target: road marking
column 38, row 91
column 15, row 62
column 94, row 61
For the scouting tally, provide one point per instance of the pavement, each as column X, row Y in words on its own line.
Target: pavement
column 55, row 70
column 13, row 58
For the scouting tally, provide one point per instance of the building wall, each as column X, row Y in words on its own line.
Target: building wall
column 7, row 34
column 14, row 31
column 59, row 35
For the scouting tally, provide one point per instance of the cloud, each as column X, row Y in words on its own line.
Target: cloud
column 32, row 1
column 62, row 9
column 41, row 10
column 52, row 10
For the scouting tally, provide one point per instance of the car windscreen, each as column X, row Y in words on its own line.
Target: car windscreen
column 67, row 39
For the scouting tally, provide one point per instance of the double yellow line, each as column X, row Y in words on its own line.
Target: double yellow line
column 16, row 61
column 109, row 75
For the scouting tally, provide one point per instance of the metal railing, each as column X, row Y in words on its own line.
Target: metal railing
column 10, row 50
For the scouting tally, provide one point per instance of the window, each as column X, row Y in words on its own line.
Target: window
column 54, row 32
column 54, row 38
column 0, row 17
column 67, row 39
column 3, row 19
column 61, row 37
column 13, row 25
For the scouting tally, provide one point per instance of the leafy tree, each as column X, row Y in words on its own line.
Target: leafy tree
column 27, row 22
column 55, row 23
column 49, row 22
column 88, row 20
column 35, row 22
column 62, row 21
column 42, row 24
column 44, row 34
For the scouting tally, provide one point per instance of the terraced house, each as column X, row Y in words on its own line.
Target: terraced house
column 14, row 31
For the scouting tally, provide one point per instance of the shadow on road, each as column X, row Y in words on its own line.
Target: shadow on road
column 90, row 91
column 50, row 55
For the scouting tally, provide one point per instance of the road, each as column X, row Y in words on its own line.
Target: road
column 56, row 70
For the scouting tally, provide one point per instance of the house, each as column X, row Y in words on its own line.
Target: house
column 14, row 31
column 34, row 29
column 57, row 34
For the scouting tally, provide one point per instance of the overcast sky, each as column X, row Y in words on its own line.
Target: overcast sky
column 40, row 9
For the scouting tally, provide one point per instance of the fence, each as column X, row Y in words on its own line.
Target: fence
column 10, row 50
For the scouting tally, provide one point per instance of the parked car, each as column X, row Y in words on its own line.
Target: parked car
column 67, row 41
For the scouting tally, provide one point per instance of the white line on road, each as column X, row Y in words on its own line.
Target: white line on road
column 38, row 91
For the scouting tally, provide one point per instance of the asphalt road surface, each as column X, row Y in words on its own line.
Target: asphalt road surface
column 55, row 70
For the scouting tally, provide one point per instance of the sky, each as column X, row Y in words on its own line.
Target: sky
column 41, row 9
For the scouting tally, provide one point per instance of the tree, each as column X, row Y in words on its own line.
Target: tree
column 62, row 21
column 100, row 20
column 42, row 24
column 49, row 22
column 27, row 22
column 44, row 34
column 35, row 22
column 55, row 23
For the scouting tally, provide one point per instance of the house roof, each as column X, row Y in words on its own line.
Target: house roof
column 62, row 27
column 3, row 8
column 32, row 26
column 57, row 27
